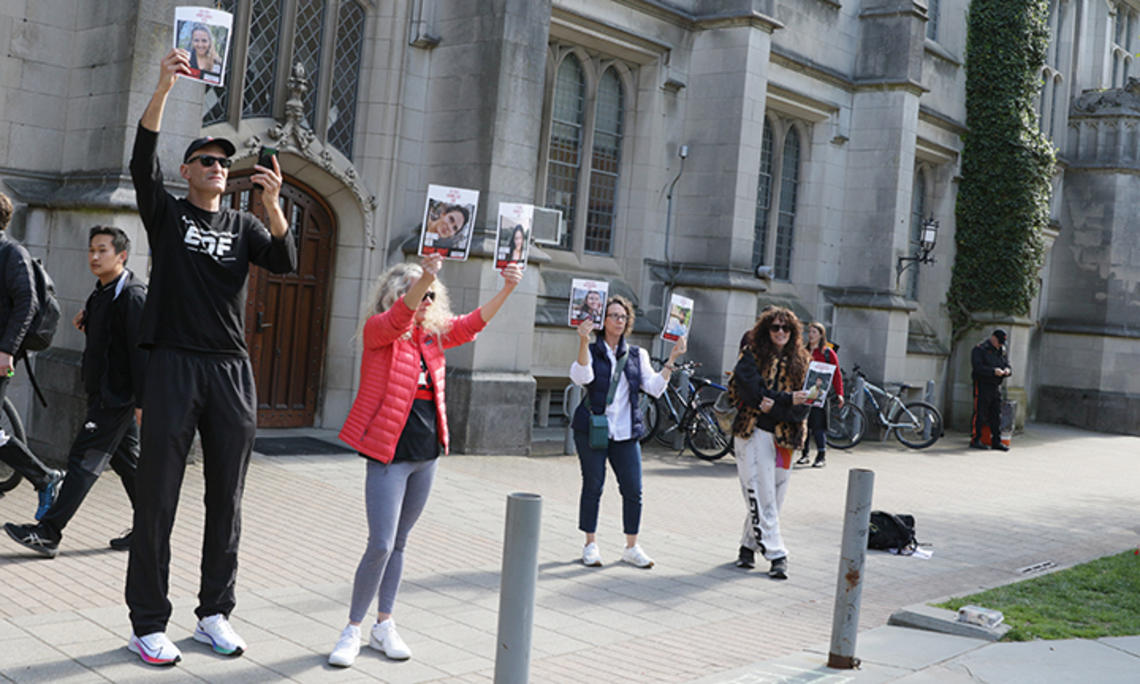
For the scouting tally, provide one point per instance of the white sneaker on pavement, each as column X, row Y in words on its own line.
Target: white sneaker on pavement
column 216, row 631
column 636, row 557
column 347, row 647
column 154, row 649
column 591, row 557
column 386, row 639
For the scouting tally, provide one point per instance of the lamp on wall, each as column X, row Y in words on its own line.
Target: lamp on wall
column 928, row 238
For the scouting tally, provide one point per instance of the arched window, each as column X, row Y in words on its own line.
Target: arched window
column 1123, row 43
column 917, row 212
column 325, row 36
column 763, row 200
column 564, row 154
column 786, row 222
column 932, row 11
column 605, row 164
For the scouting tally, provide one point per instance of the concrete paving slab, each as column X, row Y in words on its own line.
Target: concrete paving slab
column 908, row 649
column 1045, row 662
column 1128, row 644
column 804, row 668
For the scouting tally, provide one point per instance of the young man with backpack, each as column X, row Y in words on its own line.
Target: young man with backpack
column 19, row 307
column 112, row 371
column 199, row 376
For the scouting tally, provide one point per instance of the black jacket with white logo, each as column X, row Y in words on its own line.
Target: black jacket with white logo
column 200, row 263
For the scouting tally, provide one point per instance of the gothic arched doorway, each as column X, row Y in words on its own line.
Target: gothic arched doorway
column 286, row 316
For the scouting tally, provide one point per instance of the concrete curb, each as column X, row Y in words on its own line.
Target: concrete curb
column 929, row 618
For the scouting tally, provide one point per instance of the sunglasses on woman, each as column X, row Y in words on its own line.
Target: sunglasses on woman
column 429, row 296
column 209, row 160
column 780, row 327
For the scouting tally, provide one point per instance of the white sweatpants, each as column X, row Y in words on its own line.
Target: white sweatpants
column 764, row 486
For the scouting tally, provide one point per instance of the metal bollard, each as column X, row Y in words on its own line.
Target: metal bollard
column 853, row 557
column 516, row 588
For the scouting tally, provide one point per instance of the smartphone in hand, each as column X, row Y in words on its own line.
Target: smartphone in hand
column 265, row 158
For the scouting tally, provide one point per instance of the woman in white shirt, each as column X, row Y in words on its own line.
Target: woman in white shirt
column 594, row 369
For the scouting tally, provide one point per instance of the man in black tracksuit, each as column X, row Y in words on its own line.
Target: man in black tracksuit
column 990, row 368
column 113, row 366
column 18, row 307
column 199, row 375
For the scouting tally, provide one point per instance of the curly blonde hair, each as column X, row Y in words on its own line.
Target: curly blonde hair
column 393, row 284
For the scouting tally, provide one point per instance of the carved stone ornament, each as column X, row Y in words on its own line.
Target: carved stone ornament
column 1113, row 101
column 292, row 135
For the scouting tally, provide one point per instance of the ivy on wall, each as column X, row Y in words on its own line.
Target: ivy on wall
column 1007, row 163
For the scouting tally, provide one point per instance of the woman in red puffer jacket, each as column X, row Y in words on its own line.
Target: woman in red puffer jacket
column 398, row 422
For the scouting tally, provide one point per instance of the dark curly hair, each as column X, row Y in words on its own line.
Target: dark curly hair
column 760, row 342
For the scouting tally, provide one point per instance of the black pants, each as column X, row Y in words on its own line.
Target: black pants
column 817, row 429
column 987, row 411
column 16, row 454
column 215, row 395
column 108, row 436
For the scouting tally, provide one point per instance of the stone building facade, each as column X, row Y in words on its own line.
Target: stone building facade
column 818, row 135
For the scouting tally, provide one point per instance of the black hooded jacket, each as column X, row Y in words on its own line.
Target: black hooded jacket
column 985, row 358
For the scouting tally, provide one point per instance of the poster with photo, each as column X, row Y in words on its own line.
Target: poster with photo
column 680, row 319
column 205, row 34
column 513, row 239
column 588, row 300
column 449, row 221
column 818, row 382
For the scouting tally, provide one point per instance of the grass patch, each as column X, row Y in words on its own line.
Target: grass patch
column 1088, row 601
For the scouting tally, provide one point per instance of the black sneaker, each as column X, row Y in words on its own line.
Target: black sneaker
column 746, row 558
column 32, row 537
column 122, row 543
column 1000, row 447
column 820, row 461
column 804, row 460
column 779, row 569
column 978, row 445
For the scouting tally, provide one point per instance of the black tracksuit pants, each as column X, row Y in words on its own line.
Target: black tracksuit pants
column 987, row 411
column 108, row 436
column 17, row 454
column 187, row 391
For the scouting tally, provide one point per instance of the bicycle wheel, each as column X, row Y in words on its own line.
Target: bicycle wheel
column 918, row 424
column 649, row 413
column 704, row 436
column 14, row 427
column 845, row 426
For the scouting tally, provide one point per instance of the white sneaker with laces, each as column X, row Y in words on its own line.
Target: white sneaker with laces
column 636, row 557
column 154, row 649
column 591, row 557
column 347, row 647
column 386, row 639
column 216, row 631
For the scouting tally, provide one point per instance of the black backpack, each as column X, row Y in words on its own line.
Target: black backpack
column 891, row 531
column 46, row 320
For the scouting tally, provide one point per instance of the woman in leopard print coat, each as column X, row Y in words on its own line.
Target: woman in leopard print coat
column 769, row 428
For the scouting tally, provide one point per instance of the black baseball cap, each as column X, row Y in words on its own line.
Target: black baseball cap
column 226, row 145
column 1000, row 335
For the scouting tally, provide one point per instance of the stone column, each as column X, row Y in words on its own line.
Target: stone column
column 880, row 165
column 483, row 126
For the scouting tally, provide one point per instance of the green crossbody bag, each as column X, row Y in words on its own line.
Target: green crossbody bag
column 599, row 435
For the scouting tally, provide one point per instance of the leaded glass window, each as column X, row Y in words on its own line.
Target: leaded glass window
column 932, row 10
column 786, row 220
column 346, row 76
column 605, row 164
column 564, row 157
column 763, row 200
column 269, row 37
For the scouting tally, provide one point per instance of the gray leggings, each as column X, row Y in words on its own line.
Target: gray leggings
column 394, row 497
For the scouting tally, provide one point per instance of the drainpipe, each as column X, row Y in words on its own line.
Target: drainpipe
column 670, row 276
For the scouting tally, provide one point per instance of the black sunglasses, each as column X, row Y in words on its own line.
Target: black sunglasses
column 429, row 296
column 780, row 327
column 208, row 160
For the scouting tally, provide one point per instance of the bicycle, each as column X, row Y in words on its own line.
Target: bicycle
column 916, row 424
column 13, row 426
column 692, row 417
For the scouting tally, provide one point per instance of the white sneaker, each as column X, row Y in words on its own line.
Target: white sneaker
column 386, row 639
column 347, row 647
column 636, row 557
column 154, row 649
column 215, row 630
column 591, row 557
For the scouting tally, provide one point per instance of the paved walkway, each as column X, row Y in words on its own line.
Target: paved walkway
column 693, row 617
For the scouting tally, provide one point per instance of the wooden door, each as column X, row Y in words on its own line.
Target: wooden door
column 286, row 316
